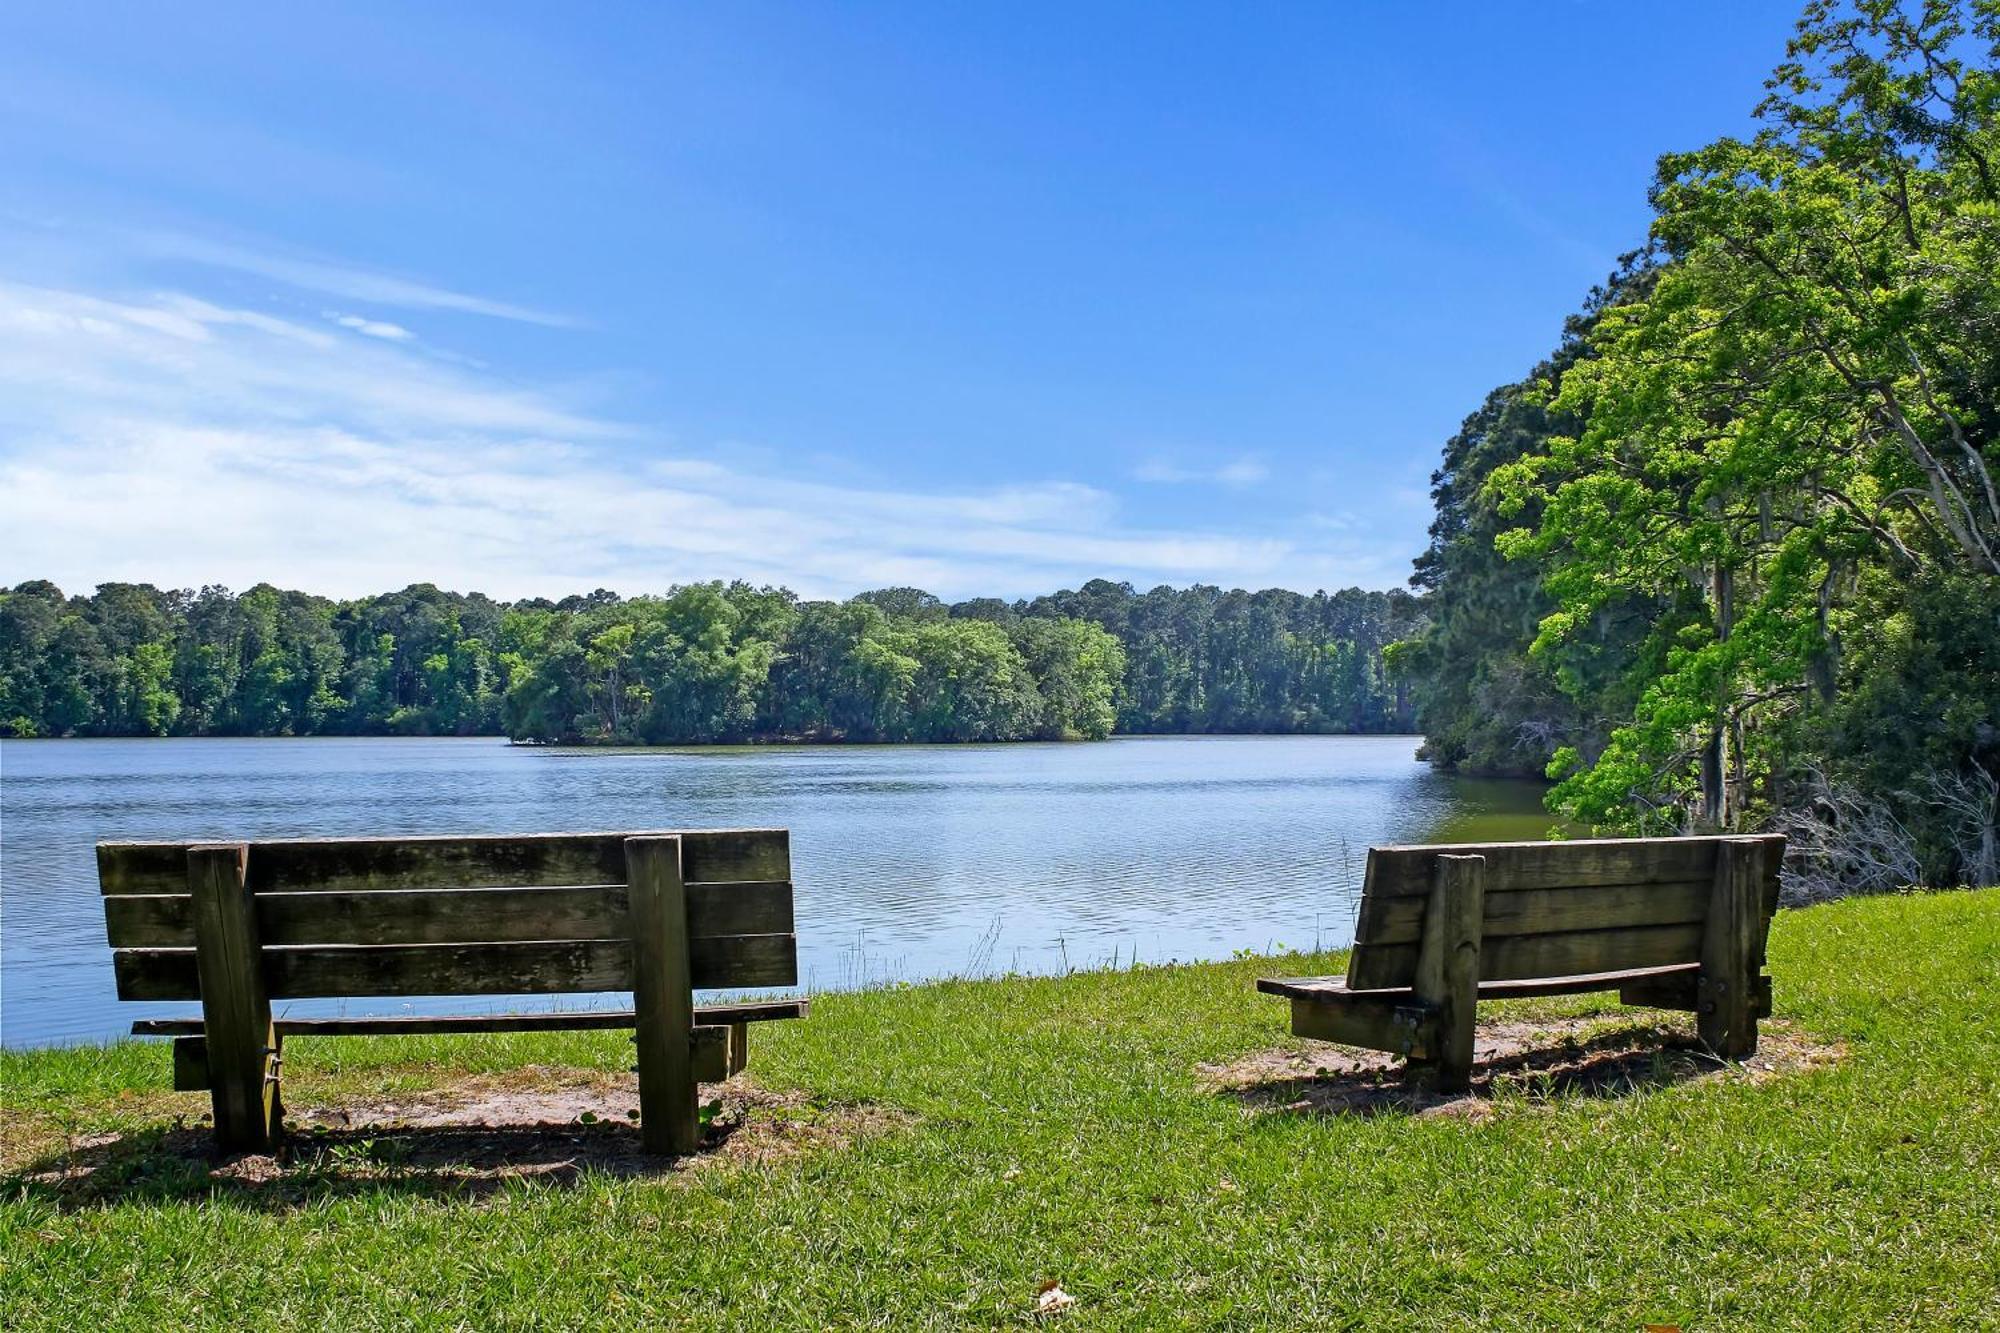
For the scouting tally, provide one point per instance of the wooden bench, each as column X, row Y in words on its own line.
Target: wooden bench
column 1674, row 923
column 239, row 925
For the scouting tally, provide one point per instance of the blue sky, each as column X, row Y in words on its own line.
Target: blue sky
column 989, row 299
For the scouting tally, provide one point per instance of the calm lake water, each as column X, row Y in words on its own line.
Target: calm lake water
column 910, row 861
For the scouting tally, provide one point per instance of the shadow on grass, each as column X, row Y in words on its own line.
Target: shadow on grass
column 1524, row 1062
column 472, row 1138
column 167, row 1163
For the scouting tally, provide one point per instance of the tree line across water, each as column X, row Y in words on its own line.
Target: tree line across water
column 1730, row 557
column 703, row 663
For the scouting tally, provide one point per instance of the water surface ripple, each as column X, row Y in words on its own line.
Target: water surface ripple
column 911, row 861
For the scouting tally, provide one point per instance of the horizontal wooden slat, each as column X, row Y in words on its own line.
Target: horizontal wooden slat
column 1405, row 872
column 517, row 860
column 1333, row 989
column 542, row 968
column 1511, row 957
column 575, row 1020
column 149, row 921
column 712, row 1049
column 1526, row 987
column 1543, row 911
column 450, row 916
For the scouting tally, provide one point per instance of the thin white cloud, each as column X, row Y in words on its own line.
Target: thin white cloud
column 69, row 356
column 373, row 328
column 1245, row 471
column 333, row 278
column 179, row 442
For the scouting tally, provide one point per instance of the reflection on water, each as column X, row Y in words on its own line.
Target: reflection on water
column 910, row 861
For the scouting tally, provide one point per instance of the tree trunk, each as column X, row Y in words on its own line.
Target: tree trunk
column 1716, row 809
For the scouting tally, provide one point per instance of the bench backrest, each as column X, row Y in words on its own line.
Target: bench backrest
column 1553, row 909
column 541, row 914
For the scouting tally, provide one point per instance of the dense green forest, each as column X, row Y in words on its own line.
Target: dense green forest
column 1730, row 557
column 705, row 662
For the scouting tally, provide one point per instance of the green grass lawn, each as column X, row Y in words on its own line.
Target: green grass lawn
column 1025, row 1131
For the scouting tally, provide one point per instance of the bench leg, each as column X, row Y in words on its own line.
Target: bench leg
column 1447, row 977
column 662, row 995
column 242, row 1046
column 739, row 1047
column 1728, row 992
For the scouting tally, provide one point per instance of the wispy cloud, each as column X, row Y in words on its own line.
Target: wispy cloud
column 332, row 277
column 373, row 328
column 1244, row 471
column 182, row 442
column 71, row 358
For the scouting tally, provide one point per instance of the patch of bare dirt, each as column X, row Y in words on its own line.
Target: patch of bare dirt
column 470, row 1135
column 1534, row 1062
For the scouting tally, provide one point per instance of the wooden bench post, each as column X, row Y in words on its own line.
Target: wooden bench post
column 662, row 995
column 739, row 1048
column 1728, row 993
column 236, row 1012
column 1447, row 976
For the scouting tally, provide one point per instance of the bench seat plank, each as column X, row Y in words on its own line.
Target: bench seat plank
column 581, row 1020
column 538, row 968
column 1334, row 990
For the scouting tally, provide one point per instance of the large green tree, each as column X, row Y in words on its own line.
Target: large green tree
column 1796, row 420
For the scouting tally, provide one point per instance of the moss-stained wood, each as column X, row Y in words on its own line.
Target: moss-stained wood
column 509, row 861
column 450, row 916
column 708, row 1050
column 235, row 1008
column 538, row 968
column 1732, row 951
column 1547, row 911
column 405, row 1025
column 1510, row 957
column 1448, row 963
column 663, row 998
column 191, row 1064
column 1405, row 872
column 1398, row 1024
column 1670, row 978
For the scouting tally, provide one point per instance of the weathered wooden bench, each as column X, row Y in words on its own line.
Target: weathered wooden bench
column 1673, row 923
column 238, row 925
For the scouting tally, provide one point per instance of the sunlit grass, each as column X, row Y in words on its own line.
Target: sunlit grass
column 1060, row 1132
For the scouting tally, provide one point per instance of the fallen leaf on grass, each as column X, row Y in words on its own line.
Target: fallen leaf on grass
column 1050, row 1299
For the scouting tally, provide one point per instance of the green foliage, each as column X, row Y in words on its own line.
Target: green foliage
column 708, row 662
column 1203, row 660
column 1486, row 706
column 1751, row 501
column 1078, row 667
